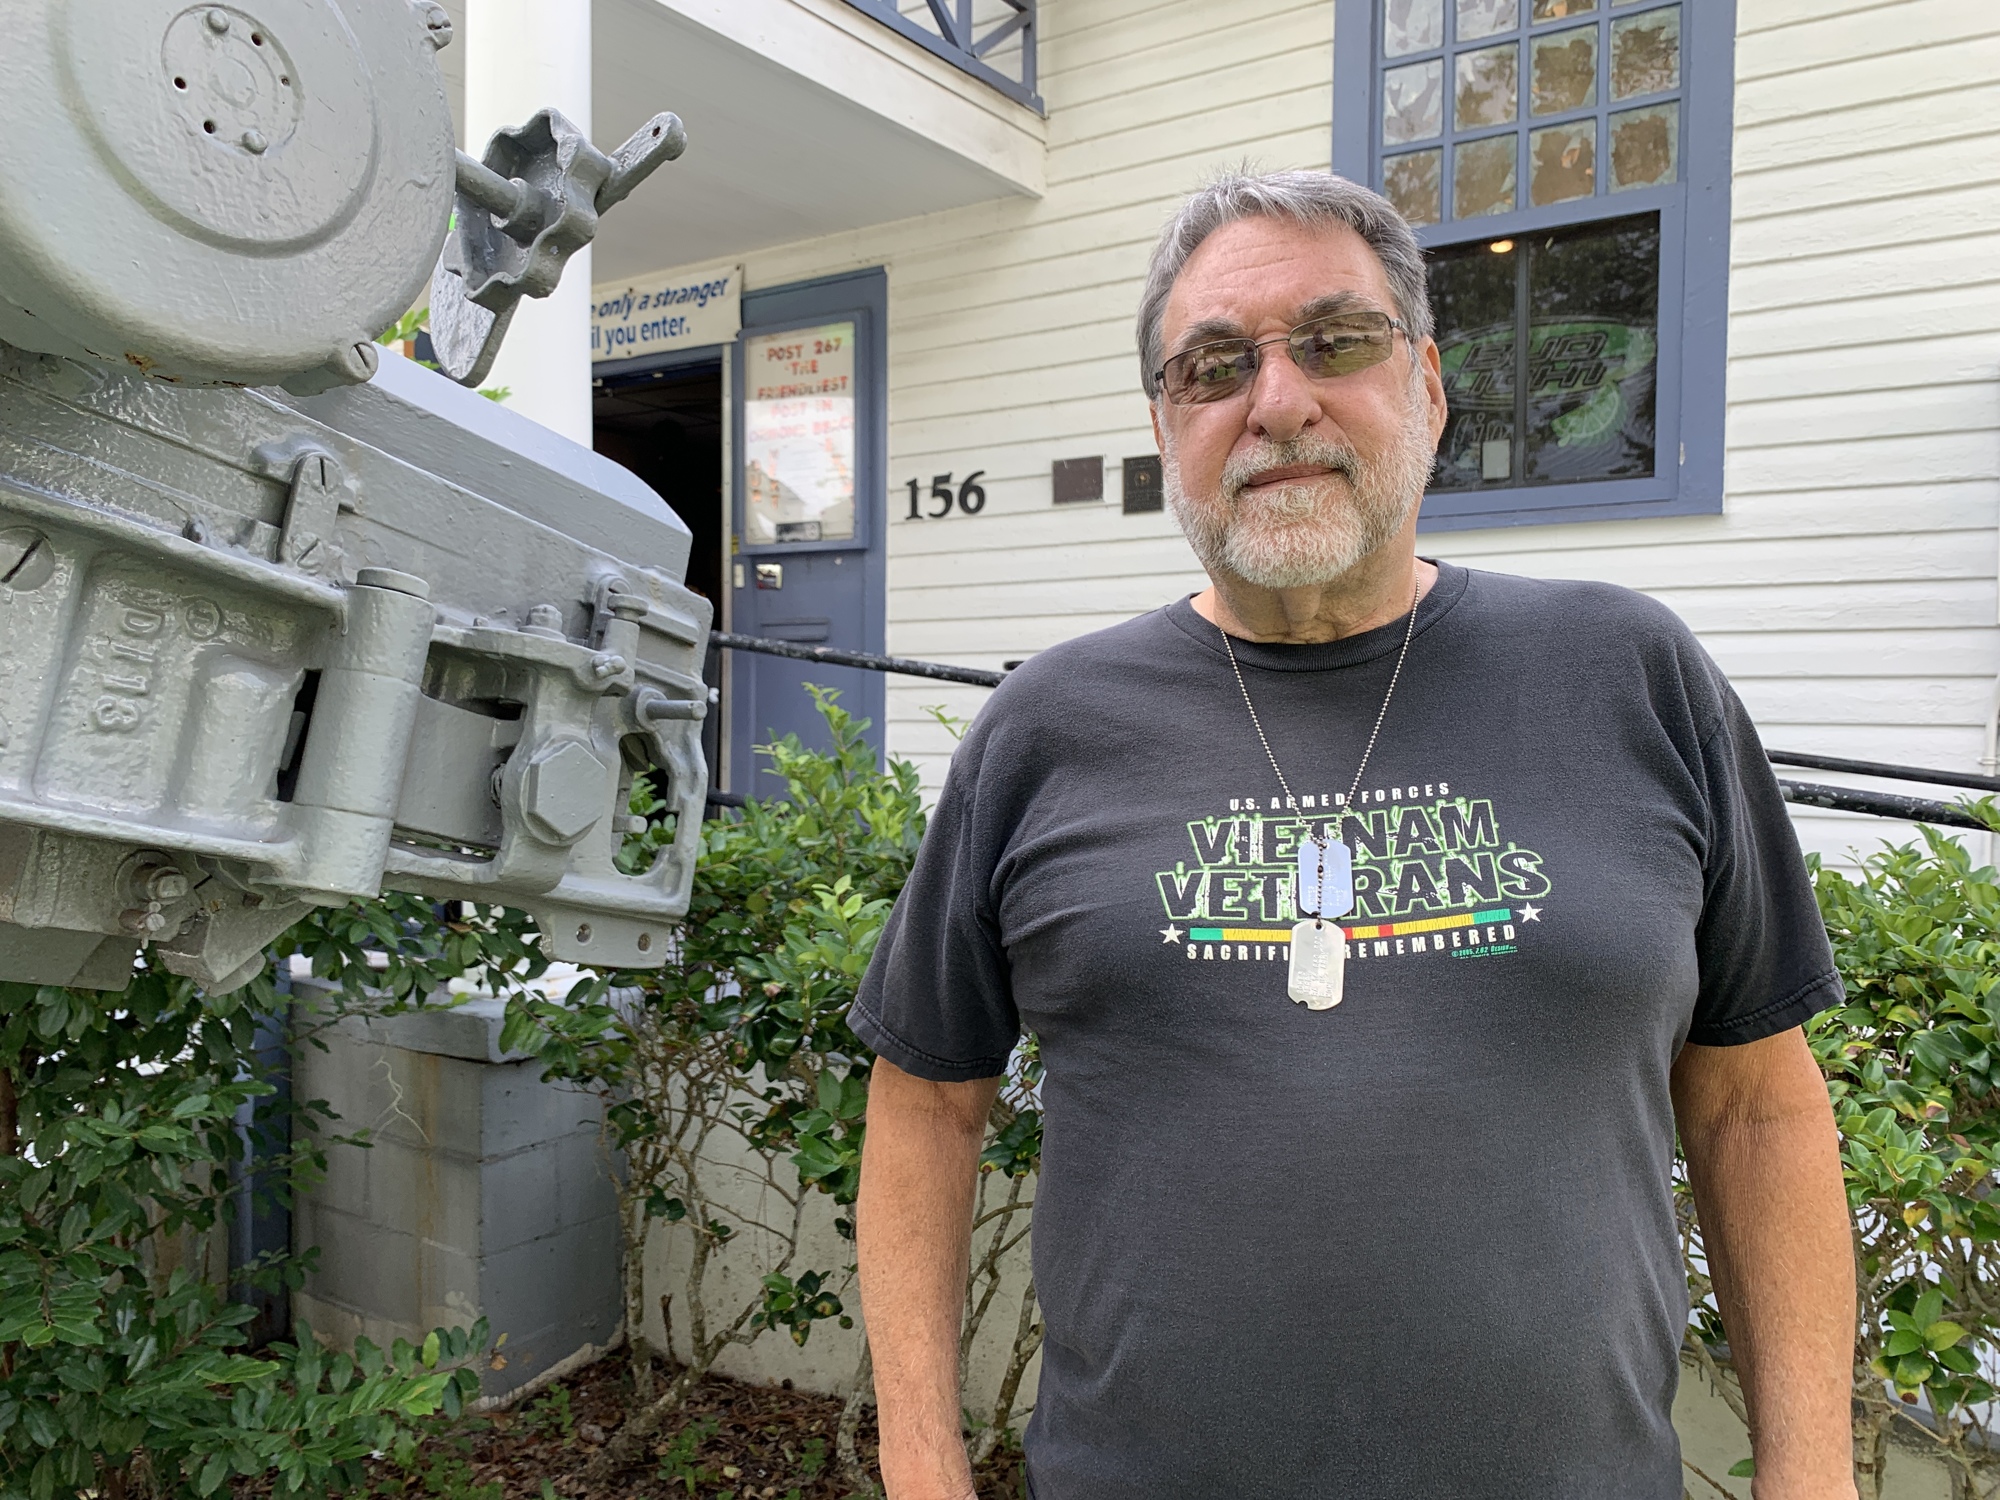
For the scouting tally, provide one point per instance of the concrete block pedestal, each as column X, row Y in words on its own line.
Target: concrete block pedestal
column 485, row 1192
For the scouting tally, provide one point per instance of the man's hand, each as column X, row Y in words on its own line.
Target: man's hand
column 913, row 1231
column 1764, row 1161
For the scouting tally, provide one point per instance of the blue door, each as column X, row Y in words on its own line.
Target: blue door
column 808, row 512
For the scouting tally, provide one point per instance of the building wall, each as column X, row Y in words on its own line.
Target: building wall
column 1010, row 327
column 1848, row 589
column 1849, row 586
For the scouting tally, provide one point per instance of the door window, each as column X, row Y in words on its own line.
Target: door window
column 798, row 435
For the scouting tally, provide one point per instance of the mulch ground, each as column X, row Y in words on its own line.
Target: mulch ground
column 731, row 1442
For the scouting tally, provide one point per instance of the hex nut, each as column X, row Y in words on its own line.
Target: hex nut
column 563, row 792
column 166, row 885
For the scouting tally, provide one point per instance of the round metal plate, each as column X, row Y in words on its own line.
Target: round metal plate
column 217, row 193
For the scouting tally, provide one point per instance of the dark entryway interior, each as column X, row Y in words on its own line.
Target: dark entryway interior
column 665, row 425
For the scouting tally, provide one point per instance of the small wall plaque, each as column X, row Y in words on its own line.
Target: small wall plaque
column 1142, row 484
column 1078, row 479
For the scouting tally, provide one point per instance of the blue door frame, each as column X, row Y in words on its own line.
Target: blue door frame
column 826, row 592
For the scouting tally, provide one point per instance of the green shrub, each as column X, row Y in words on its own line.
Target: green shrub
column 733, row 1089
column 1912, row 1061
column 122, row 1363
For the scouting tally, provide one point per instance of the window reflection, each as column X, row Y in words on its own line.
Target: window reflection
column 1482, row 178
column 1645, row 146
column 1411, row 26
column 1488, row 89
column 1593, row 351
column 1578, row 403
column 1414, row 182
column 1412, row 103
column 1563, row 71
column 1562, row 163
column 1646, row 53
column 1478, row 18
column 1473, row 296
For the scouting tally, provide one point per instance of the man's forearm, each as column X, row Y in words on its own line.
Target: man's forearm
column 913, row 1228
column 1767, row 1183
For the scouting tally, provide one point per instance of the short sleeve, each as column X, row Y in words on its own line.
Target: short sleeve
column 937, row 1000
column 1765, row 962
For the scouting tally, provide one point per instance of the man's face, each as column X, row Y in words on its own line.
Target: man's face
column 1292, row 481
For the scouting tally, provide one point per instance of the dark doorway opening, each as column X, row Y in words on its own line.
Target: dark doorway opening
column 665, row 424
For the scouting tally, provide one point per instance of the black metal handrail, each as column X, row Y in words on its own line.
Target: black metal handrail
column 1805, row 793
column 1879, row 804
column 868, row 660
column 959, row 42
column 1884, row 769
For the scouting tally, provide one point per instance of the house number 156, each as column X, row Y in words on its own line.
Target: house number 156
column 970, row 499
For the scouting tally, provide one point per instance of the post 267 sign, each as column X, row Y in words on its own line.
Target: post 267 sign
column 672, row 310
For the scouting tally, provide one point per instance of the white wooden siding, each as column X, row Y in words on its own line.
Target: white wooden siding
column 1848, row 589
column 1849, row 586
column 1010, row 327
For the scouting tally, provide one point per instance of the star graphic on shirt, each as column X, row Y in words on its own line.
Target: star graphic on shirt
column 1531, row 914
column 1170, row 934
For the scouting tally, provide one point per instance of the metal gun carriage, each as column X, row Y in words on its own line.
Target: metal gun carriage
column 284, row 617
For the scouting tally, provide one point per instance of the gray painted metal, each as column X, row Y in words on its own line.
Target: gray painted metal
column 522, row 212
column 266, row 648
column 239, row 194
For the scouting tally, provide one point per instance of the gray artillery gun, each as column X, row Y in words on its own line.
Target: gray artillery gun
column 284, row 617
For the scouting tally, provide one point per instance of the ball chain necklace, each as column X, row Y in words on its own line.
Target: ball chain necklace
column 1319, row 957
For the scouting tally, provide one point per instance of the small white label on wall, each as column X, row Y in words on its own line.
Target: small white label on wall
column 677, row 310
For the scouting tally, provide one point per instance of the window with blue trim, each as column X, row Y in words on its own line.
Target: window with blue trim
column 1566, row 164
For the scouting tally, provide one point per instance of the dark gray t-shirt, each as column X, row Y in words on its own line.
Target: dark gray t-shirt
column 1421, row 1244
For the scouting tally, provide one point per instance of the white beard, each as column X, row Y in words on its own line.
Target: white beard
column 1307, row 531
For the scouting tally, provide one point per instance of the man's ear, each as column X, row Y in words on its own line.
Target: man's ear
column 1433, row 387
column 1153, row 411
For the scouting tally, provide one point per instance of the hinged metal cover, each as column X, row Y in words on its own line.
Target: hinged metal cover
column 232, row 194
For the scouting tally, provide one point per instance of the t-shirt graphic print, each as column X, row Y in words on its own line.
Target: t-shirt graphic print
column 1432, row 875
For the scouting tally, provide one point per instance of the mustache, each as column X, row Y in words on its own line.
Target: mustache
column 1240, row 468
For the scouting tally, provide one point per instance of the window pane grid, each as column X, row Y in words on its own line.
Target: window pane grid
column 1491, row 107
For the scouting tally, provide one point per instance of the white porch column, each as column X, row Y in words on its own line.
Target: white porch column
column 521, row 56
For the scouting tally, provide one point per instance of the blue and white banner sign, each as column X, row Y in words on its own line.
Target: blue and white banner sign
column 670, row 310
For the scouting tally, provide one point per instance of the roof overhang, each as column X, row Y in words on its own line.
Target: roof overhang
column 804, row 118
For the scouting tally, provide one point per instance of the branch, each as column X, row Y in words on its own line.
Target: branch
column 1027, row 1342
column 1714, row 1484
column 847, row 1445
column 1727, row 1389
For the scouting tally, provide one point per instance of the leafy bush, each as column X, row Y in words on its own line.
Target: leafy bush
column 123, row 1363
column 1912, row 1060
column 123, row 1369
column 733, row 1088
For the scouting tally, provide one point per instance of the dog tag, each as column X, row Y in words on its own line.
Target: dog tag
column 1326, row 879
column 1319, row 964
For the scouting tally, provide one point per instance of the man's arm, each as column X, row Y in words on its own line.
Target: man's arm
column 913, row 1229
column 1764, row 1161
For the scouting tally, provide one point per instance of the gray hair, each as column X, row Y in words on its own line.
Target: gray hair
column 1314, row 199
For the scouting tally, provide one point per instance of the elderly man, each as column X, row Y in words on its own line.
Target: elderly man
column 1380, row 921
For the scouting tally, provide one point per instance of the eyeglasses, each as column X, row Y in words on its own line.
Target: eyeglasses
column 1339, row 344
